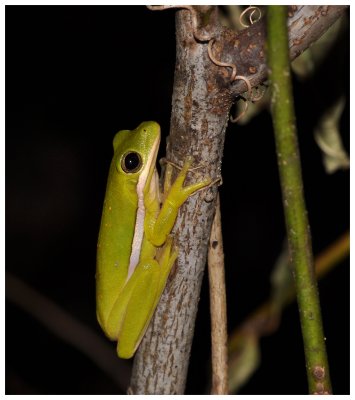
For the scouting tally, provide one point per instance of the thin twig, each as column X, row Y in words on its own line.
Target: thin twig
column 266, row 319
column 67, row 328
column 218, row 307
column 297, row 225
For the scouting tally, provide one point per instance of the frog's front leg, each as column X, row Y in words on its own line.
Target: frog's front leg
column 157, row 228
column 144, row 290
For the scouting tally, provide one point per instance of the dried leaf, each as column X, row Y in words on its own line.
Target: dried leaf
column 328, row 138
column 244, row 362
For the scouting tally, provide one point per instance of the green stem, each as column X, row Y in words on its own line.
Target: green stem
column 297, row 225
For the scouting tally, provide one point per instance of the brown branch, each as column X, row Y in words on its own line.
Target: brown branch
column 198, row 122
column 246, row 49
column 218, row 307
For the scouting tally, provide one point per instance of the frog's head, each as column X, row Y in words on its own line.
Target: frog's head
column 136, row 150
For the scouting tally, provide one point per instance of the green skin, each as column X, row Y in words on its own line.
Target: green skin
column 128, row 287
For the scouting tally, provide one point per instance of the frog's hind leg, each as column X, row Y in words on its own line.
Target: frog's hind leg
column 139, row 309
column 148, row 285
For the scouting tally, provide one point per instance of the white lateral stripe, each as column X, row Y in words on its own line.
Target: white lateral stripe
column 139, row 226
column 138, row 229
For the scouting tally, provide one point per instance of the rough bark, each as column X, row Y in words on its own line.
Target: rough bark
column 198, row 122
column 246, row 48
column 202, row 98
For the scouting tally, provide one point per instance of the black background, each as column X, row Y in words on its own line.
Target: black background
column 74, row 77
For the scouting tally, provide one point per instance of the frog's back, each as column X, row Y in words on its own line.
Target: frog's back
column 115, row 239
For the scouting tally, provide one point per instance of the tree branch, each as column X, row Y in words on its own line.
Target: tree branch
column 246, row 49
column 198, row 122
column 218, row 307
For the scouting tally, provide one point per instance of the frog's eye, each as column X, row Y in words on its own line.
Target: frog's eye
column 131, row 162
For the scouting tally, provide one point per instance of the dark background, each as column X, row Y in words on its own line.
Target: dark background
column 74, row 77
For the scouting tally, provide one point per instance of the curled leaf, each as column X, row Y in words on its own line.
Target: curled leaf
column 328, row 138
column 245, row 360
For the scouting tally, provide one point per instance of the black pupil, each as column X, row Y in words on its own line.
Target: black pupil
column 132, row 162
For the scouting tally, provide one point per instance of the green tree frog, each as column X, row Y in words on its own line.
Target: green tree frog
column 135, row 251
